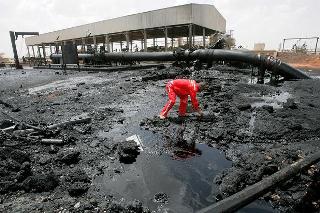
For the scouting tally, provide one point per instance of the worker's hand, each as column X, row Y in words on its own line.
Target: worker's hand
column 200, row 113
column 162, row 117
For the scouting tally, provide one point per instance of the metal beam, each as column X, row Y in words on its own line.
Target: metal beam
column 141, row 44
column 14, row 48
column 95, row 43
column 145, row 39
column 107, row 42
column 29, row 55
column 204, row 37
column 39, row 53
column 28, row 51
column 26, row 33
column 33, row 53
column 166, row 39
column 301, row 38
column 127, row 40
column 190, row 36
column 83, row 45
column 57, row 48
column 44, row 53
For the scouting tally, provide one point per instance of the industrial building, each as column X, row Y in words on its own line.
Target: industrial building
column 173, row 26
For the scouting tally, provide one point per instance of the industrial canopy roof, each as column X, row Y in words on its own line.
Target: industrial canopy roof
column 174, row 18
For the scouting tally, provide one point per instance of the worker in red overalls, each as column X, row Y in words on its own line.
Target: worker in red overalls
column 182, row 88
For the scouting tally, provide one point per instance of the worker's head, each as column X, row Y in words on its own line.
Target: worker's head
column 203, row 86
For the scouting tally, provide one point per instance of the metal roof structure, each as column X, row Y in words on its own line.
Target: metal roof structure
column 204, row 18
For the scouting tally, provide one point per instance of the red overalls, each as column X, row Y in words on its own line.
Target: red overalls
column 181, row 88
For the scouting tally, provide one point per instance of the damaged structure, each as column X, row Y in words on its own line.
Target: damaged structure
column 172, row 24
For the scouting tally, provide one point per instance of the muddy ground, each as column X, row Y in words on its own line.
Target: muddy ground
column 248, row 132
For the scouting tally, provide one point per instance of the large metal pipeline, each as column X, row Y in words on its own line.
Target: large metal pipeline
column 80, row 56
column 207, row 55
column 264, row 62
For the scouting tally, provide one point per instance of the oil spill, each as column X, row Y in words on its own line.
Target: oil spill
column 187, row 180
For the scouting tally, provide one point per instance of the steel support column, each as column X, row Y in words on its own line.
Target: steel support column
column 44, row 53
column 57, row 47
column 166, row 39
column 95, row 46
column 50, row 46
column 14, row 48
column 120, row 46
column 39, row 53
column 204, row 37
column 107, row 43
column 83, row 45
column 34, row 55
column 29, row 55
column 28, row 51
column 145, row 39
column 190, row 36
column 127, row 40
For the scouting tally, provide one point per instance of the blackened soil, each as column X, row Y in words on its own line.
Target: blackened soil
column 260, row 128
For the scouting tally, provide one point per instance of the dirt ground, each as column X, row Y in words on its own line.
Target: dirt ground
column 248, row 132
column 301, row 61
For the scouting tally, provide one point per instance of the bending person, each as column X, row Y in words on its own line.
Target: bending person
column 182, row 88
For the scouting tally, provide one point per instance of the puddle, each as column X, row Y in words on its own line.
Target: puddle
column 276, row 101
column 187, row 182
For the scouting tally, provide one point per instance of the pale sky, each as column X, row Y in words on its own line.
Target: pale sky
column 253, row 21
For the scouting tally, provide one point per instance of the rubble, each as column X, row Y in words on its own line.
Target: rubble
column 69, row 157
column 160, row 198
column 40, row 182
column 68, row 162
column 128, row 151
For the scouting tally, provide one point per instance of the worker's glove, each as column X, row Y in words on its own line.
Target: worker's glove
column 162, row 117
